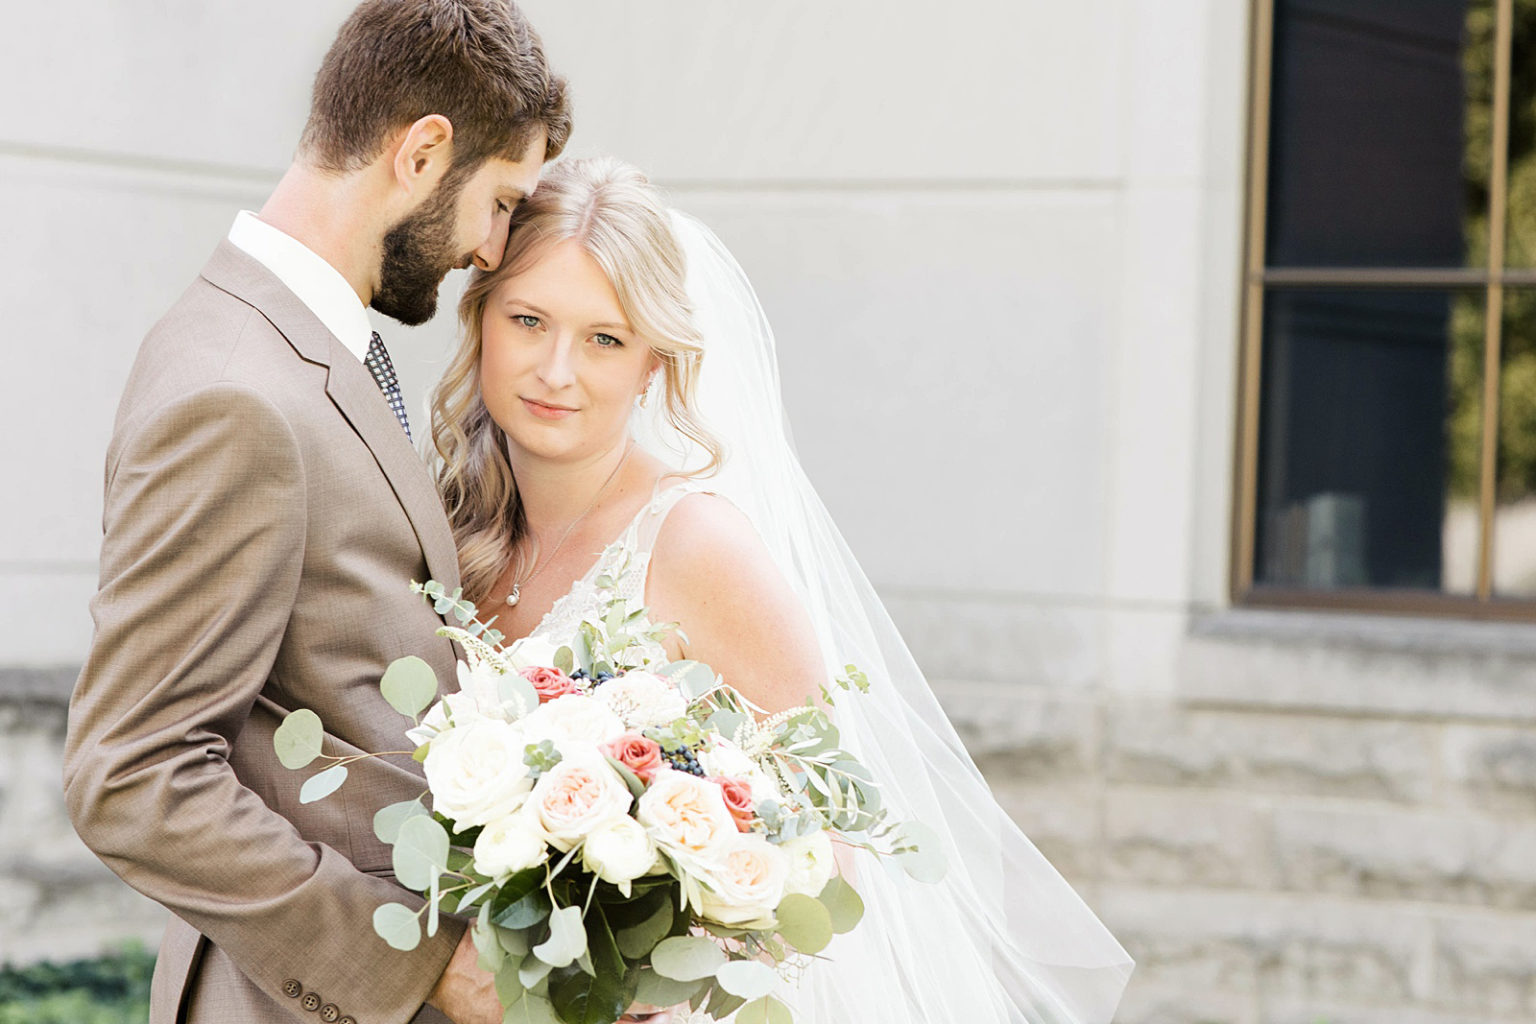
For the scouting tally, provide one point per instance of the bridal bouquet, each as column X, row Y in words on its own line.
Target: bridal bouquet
column 621, row 827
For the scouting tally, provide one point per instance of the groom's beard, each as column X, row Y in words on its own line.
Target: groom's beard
column 418, row 253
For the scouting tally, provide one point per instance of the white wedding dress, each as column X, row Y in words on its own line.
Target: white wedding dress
column 1002, row 939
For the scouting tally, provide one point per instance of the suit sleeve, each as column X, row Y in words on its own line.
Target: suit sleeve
column 204, row 543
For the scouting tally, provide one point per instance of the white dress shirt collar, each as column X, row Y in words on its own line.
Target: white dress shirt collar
column 317, row 284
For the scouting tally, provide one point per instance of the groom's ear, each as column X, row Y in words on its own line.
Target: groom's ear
column 422, row 154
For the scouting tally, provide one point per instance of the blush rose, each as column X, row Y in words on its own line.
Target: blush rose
column 640, row 754
column 738, row 800
column 549, row 683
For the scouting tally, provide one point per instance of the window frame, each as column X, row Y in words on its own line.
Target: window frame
column 1257, row 278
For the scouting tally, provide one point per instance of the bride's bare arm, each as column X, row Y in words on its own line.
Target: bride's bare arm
column 711, row 573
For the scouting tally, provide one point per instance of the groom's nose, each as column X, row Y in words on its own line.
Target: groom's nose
column 488, row 256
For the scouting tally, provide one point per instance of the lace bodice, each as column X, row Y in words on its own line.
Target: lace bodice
column 627, row 562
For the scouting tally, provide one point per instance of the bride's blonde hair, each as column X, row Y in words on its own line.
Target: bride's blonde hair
column 617, row 217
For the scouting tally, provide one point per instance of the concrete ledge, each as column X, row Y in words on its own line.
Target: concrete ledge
column 1362, row 665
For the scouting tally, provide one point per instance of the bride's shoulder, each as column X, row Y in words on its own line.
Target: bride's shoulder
column 712, row 573
column 706, row 534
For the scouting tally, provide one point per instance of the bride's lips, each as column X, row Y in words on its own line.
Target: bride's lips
column 545, row 411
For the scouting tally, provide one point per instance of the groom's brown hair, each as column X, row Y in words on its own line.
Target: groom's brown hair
column 479, row 63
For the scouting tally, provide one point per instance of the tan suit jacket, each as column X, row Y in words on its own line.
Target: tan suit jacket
column 264, row 517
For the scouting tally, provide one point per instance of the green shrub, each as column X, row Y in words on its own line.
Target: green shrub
column 109, row 990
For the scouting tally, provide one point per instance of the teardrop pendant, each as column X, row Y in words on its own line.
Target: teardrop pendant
column 514, row 596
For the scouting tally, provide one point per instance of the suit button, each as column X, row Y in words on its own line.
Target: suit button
column 292, row 989
column 311, row 1002
column 347, row 1020
column 330, row 1013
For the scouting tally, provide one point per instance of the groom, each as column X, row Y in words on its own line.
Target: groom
column 265, row 512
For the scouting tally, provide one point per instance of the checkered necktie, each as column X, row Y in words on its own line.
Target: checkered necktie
column 384, row 374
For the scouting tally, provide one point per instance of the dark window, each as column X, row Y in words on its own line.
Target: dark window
column 1389, row 431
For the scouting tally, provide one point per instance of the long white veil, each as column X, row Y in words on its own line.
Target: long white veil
column 1003, row 938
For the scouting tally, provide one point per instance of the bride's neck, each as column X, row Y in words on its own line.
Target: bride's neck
column 554, row 494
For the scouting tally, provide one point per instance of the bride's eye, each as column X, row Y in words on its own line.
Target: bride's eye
column 607, row 341
column 528, row 320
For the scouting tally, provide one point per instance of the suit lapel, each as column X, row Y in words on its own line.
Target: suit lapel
column 352, row 389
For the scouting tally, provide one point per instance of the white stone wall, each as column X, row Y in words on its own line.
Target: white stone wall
column 999, row 242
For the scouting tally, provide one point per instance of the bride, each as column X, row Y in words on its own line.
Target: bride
column 613, row 412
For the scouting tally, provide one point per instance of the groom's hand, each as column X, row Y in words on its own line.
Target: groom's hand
column 465, row 993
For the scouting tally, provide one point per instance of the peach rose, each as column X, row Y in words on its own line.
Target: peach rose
column 745, row 887
column 640, row 754
column 738, row 800
column 575, row 797
column 685, row 813
column 549, row 683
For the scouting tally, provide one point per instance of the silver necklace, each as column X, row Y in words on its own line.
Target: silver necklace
column 516, row 593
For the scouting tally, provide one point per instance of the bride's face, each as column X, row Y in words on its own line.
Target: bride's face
column 560, row 367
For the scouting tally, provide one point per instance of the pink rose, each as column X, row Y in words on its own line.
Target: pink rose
column 640, row 754
column 738, row 800
column 549, row 683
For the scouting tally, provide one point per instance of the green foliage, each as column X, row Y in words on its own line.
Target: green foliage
column 297, row 740
column 110, row 990
column 409, row 685
column 320, row 786
column 445, row 604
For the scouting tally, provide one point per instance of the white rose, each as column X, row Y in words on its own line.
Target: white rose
column 747, row 883
column 454, row 710
column 811, row 863
column 619, row 851
column 643, row 699
column 724, row 758
column 476, row 772
column 511, row 843
column 532, row 651
column 686, row 814
column 576, row 796
column 574, row 721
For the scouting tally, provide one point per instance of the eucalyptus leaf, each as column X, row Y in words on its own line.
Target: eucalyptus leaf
column 844, row 905
column 659, row 990
column 567, row 938
column 409, row 685
column 925, row 860
column 748, row 979
column 636, row 787
column 603, row 988
column 492, row 956
column 434, row 896
column 565, row 660
column 421, row 853
column 693, row 678
column 804, row 922
column 513, row 941
column 727, row 722
column 638, row 941
column 298, row 739
column 387, row 822
column 467, row 899
column 532, row 971
column 322, row 785
column 513, row 688
column 687, row 958
column 722, row 1003
column 766, row 1010
column 509, row 985
column 398, row 925
column 531, row 1009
